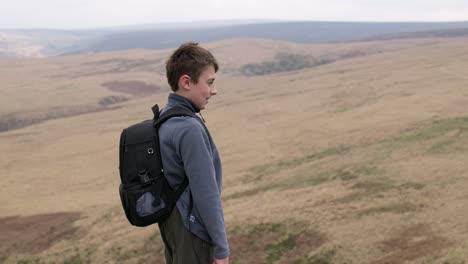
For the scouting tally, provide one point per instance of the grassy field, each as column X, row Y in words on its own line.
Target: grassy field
column 358, row 160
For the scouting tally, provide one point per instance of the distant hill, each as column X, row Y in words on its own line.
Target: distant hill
column 101, row 82
column 46, row 43
column 302, row 32
column 446, row 33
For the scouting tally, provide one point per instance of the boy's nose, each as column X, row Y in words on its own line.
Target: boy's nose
column 214, row 91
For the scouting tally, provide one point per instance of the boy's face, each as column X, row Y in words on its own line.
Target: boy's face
column 202, row 91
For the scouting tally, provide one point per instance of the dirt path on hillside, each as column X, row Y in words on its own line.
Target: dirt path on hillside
column 33, row 234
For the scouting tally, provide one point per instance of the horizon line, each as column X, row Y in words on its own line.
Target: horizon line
column 247, row 21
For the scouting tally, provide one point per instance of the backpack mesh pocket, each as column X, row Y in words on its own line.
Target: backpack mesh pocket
column 145, row 204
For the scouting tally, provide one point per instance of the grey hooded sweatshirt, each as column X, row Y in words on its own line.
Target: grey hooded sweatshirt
column 187, row 148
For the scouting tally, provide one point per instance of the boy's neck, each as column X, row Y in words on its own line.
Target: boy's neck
column 195, row 108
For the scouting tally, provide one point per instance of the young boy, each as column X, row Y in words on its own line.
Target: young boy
column 195, row 230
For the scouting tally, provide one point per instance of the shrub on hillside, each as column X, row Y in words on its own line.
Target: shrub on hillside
column 113, row 99
column 283, row 62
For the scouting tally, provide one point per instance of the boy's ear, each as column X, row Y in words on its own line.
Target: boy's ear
column 184, row 82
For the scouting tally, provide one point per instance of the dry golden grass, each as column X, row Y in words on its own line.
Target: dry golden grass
column 366, row 155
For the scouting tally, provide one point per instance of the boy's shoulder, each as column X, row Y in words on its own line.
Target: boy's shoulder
column 181, row 124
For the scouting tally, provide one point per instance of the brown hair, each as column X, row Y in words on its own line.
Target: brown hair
column 189, row 59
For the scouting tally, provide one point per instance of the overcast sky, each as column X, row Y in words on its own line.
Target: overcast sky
column 101, row 13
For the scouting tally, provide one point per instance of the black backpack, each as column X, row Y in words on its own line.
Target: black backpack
column 144, row 191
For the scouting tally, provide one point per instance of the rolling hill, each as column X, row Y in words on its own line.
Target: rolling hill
column 357, row 159
column 47, row 42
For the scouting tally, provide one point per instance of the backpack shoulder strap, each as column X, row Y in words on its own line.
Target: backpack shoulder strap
column 172, row 112
column 161, row 118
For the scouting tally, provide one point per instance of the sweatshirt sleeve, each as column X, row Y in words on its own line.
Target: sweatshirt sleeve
column 196, row 152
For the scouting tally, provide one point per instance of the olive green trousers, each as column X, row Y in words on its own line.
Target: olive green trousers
column 181, row 246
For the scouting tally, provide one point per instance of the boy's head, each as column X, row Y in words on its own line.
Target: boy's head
column 189, row 59
column 191, row 73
